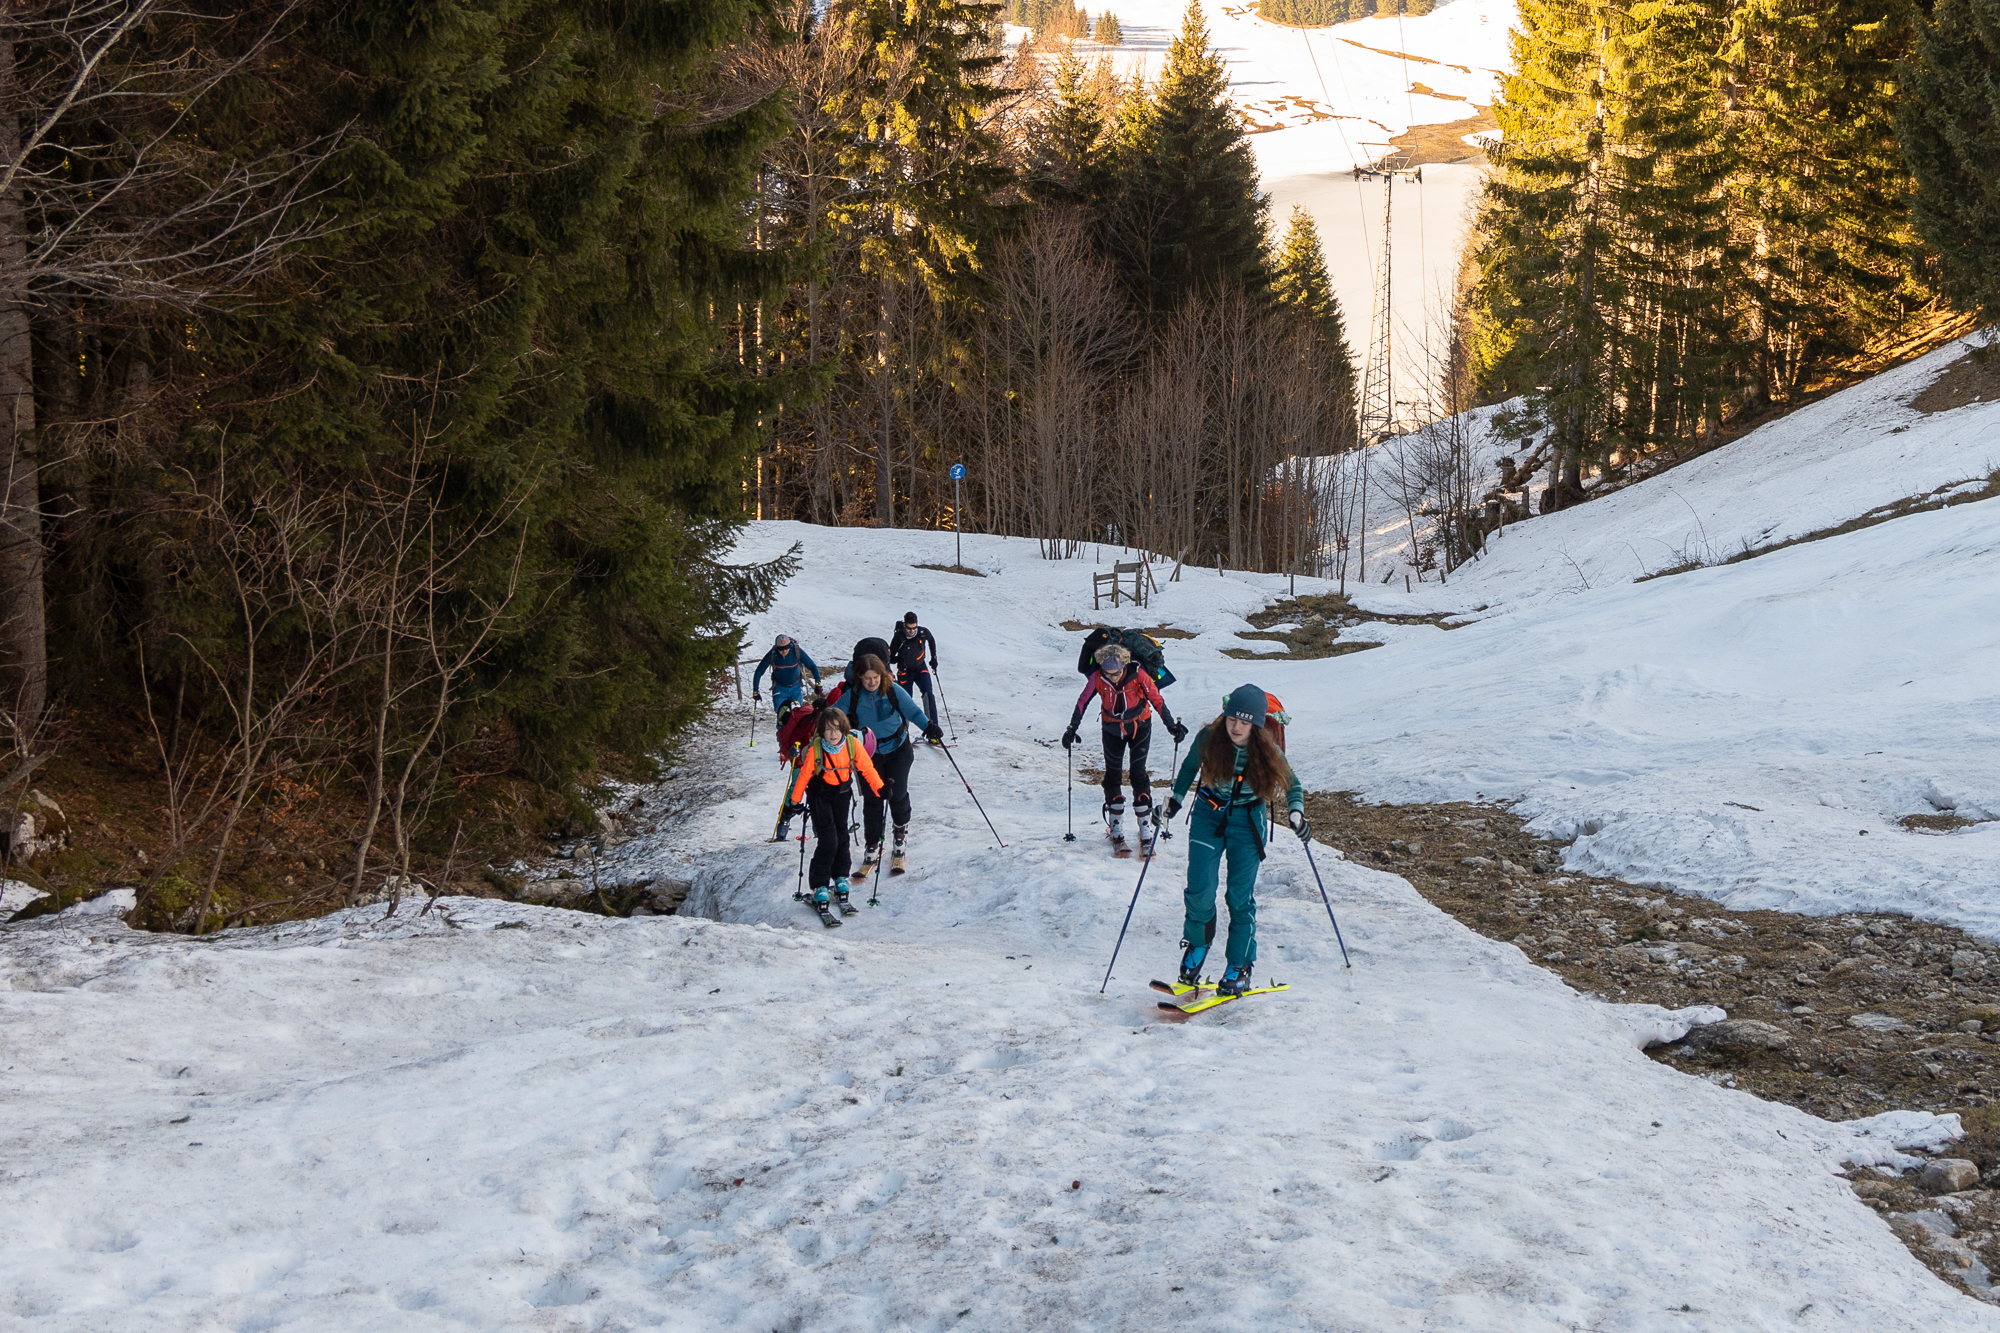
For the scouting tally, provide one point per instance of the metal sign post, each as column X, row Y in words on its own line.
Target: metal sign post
column 957, row 513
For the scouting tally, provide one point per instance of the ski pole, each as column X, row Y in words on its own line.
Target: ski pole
column 1128, row 921
column 1071, row 835
column 880, row 856
column 1328, row 901
column 974, row 795
column 753, row 721
column 799, row 893
column 944, row 703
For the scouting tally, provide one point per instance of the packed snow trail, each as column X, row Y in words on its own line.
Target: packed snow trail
column 501, row 1117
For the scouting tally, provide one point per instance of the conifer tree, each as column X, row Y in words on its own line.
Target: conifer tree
column 1065, row 158
column 1299, row 279
column 1948, row 120
column 1548, row 276
column 1820, row 194
column 1190, row 212
column 544, row 211
column 1107, row 32
column 930, row 170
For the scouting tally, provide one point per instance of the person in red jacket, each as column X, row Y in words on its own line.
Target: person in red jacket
column 1126, row 697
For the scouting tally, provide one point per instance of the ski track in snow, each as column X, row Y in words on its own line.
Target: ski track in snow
column 498, row 1117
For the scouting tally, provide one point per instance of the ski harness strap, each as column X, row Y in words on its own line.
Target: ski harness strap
column 1209, row 794
column 1126, row 704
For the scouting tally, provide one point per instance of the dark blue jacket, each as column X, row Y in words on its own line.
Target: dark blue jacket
column 784, row 664
column 884, row 716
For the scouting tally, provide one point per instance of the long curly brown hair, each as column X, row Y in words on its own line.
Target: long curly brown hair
column 1265, row 773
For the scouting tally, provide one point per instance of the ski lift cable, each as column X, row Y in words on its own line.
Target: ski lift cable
column 1360, row 198
column 1409, row 101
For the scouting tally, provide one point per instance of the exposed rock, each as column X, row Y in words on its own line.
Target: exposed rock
column 1948, row 1175
column 1476, row 862
column 1876, row 1023
column 1985, row 1015
column 1738, row 1034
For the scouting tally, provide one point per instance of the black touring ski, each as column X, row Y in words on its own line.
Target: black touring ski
column 826, row 916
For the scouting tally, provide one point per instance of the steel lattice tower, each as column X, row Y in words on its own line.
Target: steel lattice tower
column 1378, row 389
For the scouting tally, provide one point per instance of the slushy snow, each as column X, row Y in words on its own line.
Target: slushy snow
column 497, row 1117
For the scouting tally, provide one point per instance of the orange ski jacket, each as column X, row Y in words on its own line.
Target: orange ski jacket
column 835, row 769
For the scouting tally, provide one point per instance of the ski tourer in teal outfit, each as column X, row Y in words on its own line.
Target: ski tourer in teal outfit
column 1241, row 768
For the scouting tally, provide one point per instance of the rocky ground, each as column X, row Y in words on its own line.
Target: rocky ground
column 1843, row 1017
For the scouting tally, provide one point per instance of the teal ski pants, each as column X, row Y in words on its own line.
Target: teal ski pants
column 1242, row 839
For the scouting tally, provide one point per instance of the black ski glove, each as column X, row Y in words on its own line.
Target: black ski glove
column 755, row 697
column 933, row 732
column 794, row 810
column 1173, row 808
column 1297, row 819
column 1069, row 737
column 1178, row 731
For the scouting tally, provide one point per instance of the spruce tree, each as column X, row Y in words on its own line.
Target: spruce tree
column 1065, row 160
column 544, row 212
column 1299, row 279
column 1821, row 191
column 1190, row 213
column 1107, row 32
column 1948, row 119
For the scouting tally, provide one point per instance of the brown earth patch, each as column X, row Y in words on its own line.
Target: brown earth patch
column 1927, row 996
column 1444, row 144
column 1973, row 378
column 1157, row 631
column 951, row 569
column 1317, row 631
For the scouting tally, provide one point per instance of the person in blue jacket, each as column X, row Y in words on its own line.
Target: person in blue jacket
column 879, row 704
column 1241, row 769
column 786, row 661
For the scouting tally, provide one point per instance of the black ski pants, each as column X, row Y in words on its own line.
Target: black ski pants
column 826, row 806
column 1118, row 747
column 893, row 767
column 920, row 681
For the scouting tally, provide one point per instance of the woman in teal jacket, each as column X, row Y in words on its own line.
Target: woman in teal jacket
column 879, row 704
column 1241, row 768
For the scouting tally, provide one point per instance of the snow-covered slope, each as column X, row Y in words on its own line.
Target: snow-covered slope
column 1817, row 468
column 1730, row 731
column 495, row 1117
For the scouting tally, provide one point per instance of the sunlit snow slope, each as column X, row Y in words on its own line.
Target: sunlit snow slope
column 493, row 1117
column 1753, row 731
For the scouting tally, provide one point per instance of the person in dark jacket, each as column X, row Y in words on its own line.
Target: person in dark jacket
column 907, row 644
column 878, row 704
column 785, row 661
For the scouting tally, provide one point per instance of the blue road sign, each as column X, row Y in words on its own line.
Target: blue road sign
column 957, row 471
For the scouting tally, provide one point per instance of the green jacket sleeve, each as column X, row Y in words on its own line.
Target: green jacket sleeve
column 1191, row 766
column 1295, row 791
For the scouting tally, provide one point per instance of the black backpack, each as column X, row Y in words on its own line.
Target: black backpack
column 1145, row 650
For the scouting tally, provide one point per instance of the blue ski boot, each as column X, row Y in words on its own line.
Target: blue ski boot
column 1191, row 962
column 841, row 888
column 1235, row 980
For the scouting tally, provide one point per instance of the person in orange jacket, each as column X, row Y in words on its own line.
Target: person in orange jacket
column 822, row 791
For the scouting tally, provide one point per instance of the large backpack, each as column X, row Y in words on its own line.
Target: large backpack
column 1275, row 718
column 1145, row 650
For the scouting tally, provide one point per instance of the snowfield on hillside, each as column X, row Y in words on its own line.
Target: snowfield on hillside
column 498, row 1117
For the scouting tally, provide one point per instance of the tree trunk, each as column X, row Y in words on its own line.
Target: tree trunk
column 23, row 645
column 885, row 478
